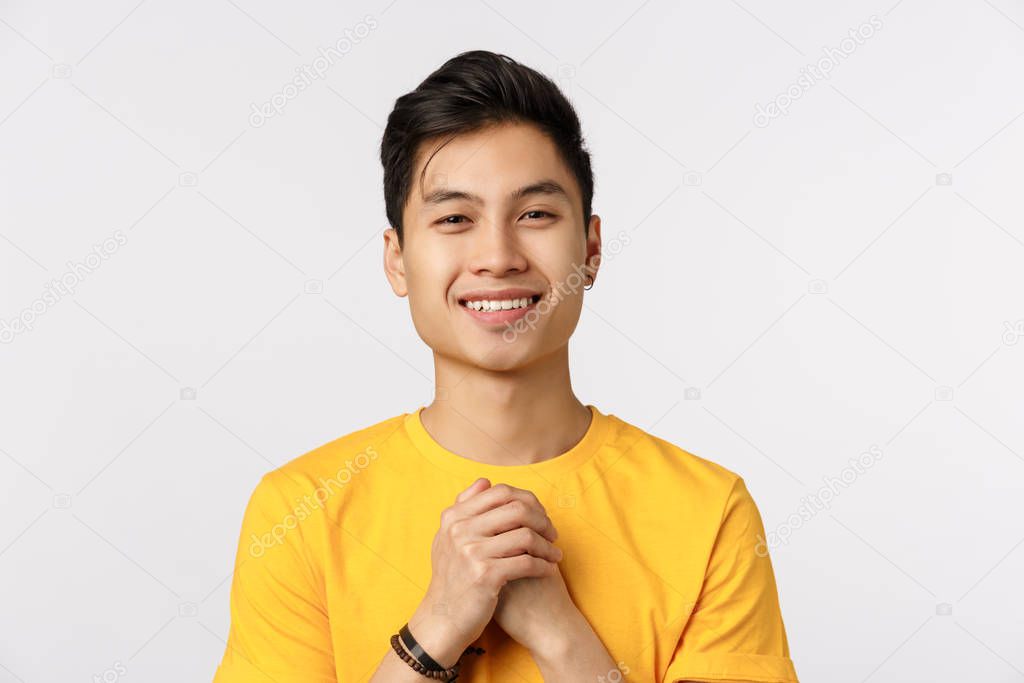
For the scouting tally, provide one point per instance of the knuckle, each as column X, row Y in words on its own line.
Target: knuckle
column 517, row 506
column 483, row 573
column 457, row 528
column 524, row 536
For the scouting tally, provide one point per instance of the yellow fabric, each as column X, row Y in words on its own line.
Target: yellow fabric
column 660, row 555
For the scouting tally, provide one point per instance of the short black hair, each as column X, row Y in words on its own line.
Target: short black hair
column 469, row 92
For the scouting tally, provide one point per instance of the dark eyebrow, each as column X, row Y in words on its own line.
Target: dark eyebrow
column 545, row 187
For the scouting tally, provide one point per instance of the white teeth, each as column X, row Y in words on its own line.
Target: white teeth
column 503, row 305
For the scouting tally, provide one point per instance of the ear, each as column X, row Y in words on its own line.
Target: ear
column 394, row 263
column 594, row 246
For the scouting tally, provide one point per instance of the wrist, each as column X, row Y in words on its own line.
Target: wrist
column 438, row 638
column 565, row 635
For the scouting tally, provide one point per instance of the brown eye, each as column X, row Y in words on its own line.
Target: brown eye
column 543, row 213
column 447, row 220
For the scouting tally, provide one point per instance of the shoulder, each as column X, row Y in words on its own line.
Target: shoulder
column 676, row 494
column 334, row 462
column 656, row 460
column 307, row 491
column 699, row 492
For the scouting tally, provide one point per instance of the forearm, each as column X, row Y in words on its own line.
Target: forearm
column 577, row 655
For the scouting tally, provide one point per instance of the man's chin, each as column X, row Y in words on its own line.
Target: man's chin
column 500, row 357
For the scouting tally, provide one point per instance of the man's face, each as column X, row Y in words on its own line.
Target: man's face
column 495, row 210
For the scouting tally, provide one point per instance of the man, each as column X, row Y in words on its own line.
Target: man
column 506, row 531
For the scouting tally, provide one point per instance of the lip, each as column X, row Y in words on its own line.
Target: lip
column 499, row 317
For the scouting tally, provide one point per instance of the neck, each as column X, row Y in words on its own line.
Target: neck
column 508, row 417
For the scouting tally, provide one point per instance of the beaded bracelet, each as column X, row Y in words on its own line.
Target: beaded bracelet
column 423, row 663
column 440, row 674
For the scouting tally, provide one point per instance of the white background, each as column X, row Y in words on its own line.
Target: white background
column 817, row 280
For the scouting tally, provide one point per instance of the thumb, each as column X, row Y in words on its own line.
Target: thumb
column 473, row 489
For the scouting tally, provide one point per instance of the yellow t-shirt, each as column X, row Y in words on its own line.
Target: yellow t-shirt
column 660, row 550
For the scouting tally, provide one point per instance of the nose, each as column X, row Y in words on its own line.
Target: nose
column 497, row 250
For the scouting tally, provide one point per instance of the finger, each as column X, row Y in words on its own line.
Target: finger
column 501, row 494
column 496, row 495
column 479, row 485
column 520, row 567
column 519, row 541
column 510, row 516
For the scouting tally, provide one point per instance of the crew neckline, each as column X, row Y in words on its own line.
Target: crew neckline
column 552, row 468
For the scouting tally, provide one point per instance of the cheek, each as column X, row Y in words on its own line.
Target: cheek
column 430, row 276
column 555, row 253
column 568, row 281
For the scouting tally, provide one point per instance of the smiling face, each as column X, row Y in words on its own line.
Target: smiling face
column 496, row 221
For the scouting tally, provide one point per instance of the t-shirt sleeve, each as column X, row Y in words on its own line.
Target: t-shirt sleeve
column 279, row 626
column 735, row 632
